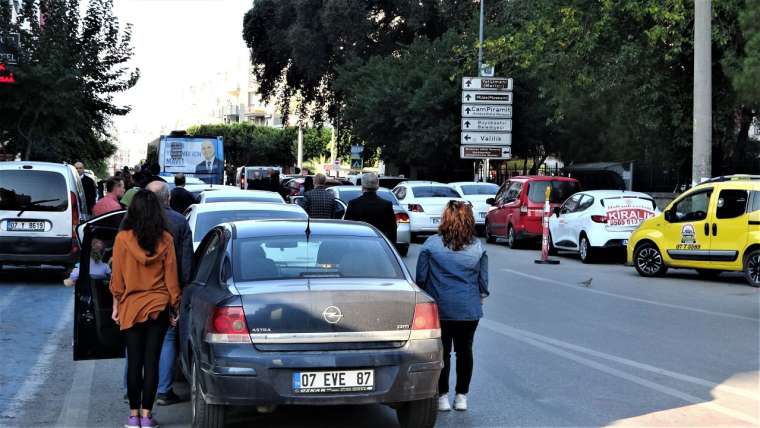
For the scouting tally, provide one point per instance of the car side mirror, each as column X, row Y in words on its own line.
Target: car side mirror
column 491, row 201
column 668, row 215
column 556, row 211
column 298, row 200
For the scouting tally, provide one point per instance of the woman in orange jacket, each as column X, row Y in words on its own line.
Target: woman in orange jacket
column 146, row 295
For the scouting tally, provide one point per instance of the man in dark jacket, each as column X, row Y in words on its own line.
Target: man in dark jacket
column 319, row 202
column 181, row 199
column 373, row 209
column 90, row 189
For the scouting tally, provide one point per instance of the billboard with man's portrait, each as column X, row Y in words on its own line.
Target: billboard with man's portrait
column 201, row 157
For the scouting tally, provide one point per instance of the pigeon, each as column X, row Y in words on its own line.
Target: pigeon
column 586, row 283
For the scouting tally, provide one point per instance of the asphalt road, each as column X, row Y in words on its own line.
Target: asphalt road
column 678, row 351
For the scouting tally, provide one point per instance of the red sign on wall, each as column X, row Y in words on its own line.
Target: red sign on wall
column 6, row 76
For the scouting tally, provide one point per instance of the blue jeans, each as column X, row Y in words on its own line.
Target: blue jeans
column 166, row 364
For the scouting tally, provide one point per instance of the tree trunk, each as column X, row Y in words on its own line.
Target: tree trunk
column 742, row 140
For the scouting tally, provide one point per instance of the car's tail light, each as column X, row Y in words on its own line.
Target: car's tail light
column 416, row 208
column 426, row 324
column 242, row 181
column 402, row 218
column 228, row 325
column 74, row 221
column 599, row 218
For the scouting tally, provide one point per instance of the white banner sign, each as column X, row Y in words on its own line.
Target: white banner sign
column 474, row 124
column 486, row 84
column 491, row 111
column 477, row 97
column 487, row 138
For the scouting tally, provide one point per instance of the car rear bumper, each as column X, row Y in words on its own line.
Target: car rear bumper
column 403, row 233
column 23, row 250
column 422, row 222
column 265, row 378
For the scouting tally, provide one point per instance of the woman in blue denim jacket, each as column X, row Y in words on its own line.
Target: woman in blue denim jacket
column 453, row 268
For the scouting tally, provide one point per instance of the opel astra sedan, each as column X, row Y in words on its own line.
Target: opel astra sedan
column 291, row 312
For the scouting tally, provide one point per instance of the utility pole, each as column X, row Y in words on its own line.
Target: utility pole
column 299, row 160
column 702, row 145
column 484, row 172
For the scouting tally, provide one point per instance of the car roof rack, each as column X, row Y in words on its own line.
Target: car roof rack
column 734, row 177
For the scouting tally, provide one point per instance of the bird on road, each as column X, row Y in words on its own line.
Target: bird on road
column 586, row 283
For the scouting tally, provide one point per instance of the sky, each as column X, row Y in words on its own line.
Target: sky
column 177, row 43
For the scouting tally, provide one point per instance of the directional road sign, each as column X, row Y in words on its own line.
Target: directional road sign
column 486, row 84
column 481, row 97
column 495, row 125
column 489, row 111
column 357, row 163
column 8, row 47
column 485, row 152
column 487, row 138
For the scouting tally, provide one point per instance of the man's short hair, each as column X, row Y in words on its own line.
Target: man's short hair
column 161, row 189
column 112, row 182
column 179, row 179
column 370, row 181
column 320, row 180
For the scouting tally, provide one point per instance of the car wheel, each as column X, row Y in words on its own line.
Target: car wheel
column 403, row 249
column 648, row 261
column 204, row 415
column 585, row 250
column 418, row 414
column 511, row 237
column 489, row 237
column 752, row 268
column 708, row 273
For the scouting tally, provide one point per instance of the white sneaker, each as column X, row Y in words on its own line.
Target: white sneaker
column 443, row 403
column 460, row 402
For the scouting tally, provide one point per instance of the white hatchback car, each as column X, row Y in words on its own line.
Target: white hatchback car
column 208, row 197
column 601, row 219
column 425, row 201
column 476, row 193
column 203, row 217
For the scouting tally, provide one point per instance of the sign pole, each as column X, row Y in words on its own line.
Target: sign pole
column 545, row 260
column 480, row 45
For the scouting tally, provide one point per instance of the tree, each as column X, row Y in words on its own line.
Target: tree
column 70, row 67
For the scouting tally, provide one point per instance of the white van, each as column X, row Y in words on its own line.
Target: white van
column 41, row 205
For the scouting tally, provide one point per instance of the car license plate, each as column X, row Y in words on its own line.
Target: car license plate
column 333, row 381
column 435, row 220
column 25, row 226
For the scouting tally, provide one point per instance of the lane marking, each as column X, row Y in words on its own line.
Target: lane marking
column 7, row 299
column 630, row 298
column 38, row 373
column 508, row 331
column 493, row 325
column 76, row 407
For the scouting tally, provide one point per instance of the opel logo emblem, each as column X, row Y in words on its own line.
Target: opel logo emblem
column 332, row 314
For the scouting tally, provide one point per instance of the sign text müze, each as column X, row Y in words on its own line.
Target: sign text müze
column 483, row 84
column 478, row 97
column 474, row 124
column 490, row 111
column 485, row 152
column 487, row 138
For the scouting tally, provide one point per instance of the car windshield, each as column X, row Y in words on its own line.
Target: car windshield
column 206, row 221
column 242, row 198
column 350, row 195
column 434, row 192
column 291, row 257
column 25, row 190
column 561, row 190
column 479, row 189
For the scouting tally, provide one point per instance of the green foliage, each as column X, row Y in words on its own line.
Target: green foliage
column 69, row 70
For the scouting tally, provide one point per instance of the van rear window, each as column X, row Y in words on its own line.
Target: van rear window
column 29, row 190
column 561, row 190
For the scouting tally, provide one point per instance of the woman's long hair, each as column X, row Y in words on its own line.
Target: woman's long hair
column 457, row 227
column 146, row 219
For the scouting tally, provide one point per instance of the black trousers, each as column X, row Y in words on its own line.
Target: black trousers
column 144, row 342
column 461, row 334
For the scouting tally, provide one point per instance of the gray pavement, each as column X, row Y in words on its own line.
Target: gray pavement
column 676, row 351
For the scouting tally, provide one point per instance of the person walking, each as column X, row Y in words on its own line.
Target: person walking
column 319, row 202
column 181, row 199
column 373, row 209
column 110, row 201
column 146, row 296
column 453, row 268
column 88, row 184
column 183, row 248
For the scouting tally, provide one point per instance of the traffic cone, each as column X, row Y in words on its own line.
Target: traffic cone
column 545, row 260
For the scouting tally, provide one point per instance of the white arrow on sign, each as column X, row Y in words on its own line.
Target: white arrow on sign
column 480, row 97
column 487, row 84
column 490, row 111
column 474, row 124
column 487, row 138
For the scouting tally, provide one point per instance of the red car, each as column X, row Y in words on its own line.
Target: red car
column 517, row 210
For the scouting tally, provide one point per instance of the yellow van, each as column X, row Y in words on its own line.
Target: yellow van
column 713, row 227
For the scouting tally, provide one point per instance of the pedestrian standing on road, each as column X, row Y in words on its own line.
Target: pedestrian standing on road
column 373, row 209
column 146, row 295
column 110, row 201
column 181, row 199
column 319, row 202
column 453, row 268
column 90, row 189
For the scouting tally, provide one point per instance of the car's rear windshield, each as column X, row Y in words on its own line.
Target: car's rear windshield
column 242, row 198
column 290, row 257
column 206, row 221
column 350, row 195
column 434, row 192
column 30, row 190
column 480, row 189
column 561, row 190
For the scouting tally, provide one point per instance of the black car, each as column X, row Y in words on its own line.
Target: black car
column 295, row 313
